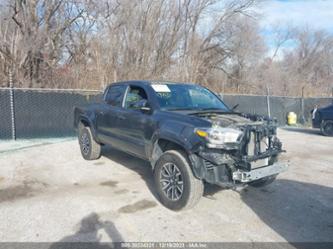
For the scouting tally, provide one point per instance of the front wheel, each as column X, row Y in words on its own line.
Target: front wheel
column 90, row 149
column 327, row 128
column 176, row 185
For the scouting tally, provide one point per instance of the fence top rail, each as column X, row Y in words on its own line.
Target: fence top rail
column 273, row 96
column 101, row 91
column 50, row 89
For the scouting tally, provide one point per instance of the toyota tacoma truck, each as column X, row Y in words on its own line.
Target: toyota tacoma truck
column 186, row 132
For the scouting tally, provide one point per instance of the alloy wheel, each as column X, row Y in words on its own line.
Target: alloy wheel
column 85, row 143
column 171, row 181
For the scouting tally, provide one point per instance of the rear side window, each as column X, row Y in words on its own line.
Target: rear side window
column 115, row 94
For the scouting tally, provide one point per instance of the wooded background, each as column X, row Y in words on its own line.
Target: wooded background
column 217, row 43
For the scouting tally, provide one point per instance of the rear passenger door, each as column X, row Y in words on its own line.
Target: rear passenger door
column 108, row 128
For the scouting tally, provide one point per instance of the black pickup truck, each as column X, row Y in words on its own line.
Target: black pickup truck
column 322, row 118
column 188, row 135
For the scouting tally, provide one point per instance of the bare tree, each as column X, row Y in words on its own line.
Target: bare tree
column 217, row 43
column 33, row 35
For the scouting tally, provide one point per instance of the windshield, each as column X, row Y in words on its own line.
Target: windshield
column 187, row 97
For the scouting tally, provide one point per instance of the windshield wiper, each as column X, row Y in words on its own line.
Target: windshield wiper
column 181, row 109
column 198, row 109
column 212, row 109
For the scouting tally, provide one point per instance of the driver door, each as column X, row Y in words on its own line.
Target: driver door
column 135, row 123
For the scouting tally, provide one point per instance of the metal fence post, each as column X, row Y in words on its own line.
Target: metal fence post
column 12, row 104
column 302, row 111
column 302, row 106
column 268, row 102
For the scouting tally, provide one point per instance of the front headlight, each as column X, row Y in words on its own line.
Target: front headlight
column 218, row 137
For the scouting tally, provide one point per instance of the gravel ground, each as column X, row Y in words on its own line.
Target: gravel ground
column 49, row 193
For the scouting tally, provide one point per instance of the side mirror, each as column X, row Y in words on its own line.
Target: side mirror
column 235, row 107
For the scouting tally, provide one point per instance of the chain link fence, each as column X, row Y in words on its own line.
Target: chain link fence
column 277, row 106
column 33, row 113
column 5, row 114
column 41, row 112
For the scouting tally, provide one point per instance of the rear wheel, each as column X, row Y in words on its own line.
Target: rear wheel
column 263, row 182
column 176, row 185
column 327, row 128
column 90, row 149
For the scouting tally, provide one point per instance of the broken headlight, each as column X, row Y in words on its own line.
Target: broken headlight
column 218, row 137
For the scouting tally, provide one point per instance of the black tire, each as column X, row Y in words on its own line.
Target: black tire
column 326, row 128
column 90, row 149
column 192, row 188
column 263, row 182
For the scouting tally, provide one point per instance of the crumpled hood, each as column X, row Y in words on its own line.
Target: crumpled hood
column 227, row 120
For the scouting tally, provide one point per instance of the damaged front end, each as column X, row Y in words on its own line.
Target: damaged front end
column 247, row 151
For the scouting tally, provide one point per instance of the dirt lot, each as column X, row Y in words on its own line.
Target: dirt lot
column 49, row 193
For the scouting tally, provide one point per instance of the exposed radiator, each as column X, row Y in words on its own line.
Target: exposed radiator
column 261, row 147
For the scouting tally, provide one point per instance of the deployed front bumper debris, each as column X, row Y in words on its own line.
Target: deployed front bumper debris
column 256, row 174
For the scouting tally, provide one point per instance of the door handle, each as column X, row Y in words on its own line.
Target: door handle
column 121, row 117
column 101, row 112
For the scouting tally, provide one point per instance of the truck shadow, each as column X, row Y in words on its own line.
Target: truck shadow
column 141, row 167
column 297, row 211
column 87, row 234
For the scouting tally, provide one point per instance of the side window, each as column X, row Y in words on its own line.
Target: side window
column 115, row 94
column 134, row 96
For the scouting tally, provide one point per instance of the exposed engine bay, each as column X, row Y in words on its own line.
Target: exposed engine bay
column 256, row 147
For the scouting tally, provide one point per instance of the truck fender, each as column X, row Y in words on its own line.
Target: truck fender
column 87, row 122
column 176, row 142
